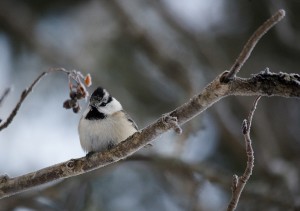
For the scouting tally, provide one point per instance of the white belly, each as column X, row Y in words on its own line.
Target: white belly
column 97, row 135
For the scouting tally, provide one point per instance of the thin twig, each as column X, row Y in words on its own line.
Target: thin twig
column 22, row 98
column 26, row 92
column 4, row 95
column 251, row 43
column 265, row 83
column 238, row 183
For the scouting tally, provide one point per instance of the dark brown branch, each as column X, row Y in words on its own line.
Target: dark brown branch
column 251, row 43
column 289, row 86
column 238, row 183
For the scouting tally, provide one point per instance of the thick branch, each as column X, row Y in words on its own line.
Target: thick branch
column 264, row 83
column 267, row 83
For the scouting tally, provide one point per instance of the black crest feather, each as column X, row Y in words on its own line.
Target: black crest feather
column 98, row 93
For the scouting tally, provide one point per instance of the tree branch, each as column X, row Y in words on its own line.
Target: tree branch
column 22, row 98
column 4, row 95
column 251, row 43
column 264, row 83
column 2, row 98
column 72, row 75
column 238, row 183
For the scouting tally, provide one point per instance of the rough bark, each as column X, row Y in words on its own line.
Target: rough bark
column 264, row 83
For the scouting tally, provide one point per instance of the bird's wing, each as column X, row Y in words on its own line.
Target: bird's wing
column 130, row 120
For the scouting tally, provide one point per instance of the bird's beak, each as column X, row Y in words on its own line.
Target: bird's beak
column 93, row 103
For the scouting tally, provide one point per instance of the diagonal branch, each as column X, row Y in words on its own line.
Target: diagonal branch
column 21, row 100
column 238, row 183
column 72, row 75
column 284, row 85
column 251, row 43
column 264, row 83
column 4, row 95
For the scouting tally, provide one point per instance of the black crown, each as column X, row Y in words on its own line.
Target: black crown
column 98, row 93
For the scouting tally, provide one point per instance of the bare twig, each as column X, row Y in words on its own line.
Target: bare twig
column 4, row 95
column 267, row 85
column 22, row 98
column 251, row 43
column 238, row 183
column 264, row 83
column 73, row 75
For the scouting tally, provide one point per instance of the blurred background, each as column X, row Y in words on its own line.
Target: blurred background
column 152, row 56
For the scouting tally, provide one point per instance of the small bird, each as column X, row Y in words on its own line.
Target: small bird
column 104, row 123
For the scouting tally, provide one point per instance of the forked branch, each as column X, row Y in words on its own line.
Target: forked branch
column 264, row 83
column 284, row 85
column 251, row 43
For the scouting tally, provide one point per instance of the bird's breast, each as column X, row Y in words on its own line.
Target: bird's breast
column 95, row 135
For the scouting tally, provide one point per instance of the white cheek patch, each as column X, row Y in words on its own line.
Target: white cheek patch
column 111, row 107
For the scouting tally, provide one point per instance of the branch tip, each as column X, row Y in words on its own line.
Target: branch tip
column 280, row 13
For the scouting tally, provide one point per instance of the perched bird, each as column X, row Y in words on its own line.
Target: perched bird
column 104, row 123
